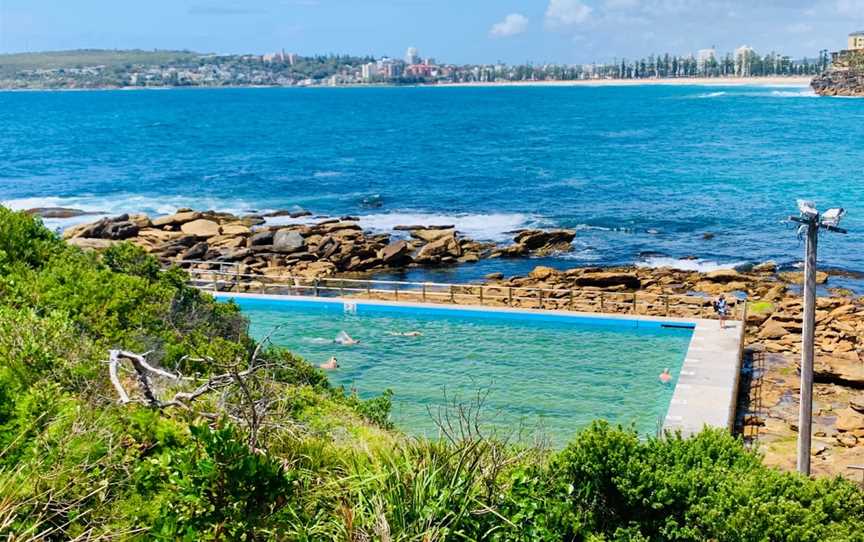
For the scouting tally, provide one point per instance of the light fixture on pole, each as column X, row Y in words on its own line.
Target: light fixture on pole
column 811, row 221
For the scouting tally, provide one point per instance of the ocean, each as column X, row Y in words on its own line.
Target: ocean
column 690, row 176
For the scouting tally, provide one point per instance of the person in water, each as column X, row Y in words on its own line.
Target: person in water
column 331, row 364
column 344, row 339
column 721, row 307
column 405, row 334
column 665, row 376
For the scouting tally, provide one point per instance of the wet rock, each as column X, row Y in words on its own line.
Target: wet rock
column 545, row 242
column 119, row 231
column 725, row 275
column 439, row 249
column 261, row 238
column 494, row 276
column 395, row 253
column 60, row 212
column 196, row 251
column 606, row 279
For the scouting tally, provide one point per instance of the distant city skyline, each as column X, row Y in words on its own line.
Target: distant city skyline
column 484, row 32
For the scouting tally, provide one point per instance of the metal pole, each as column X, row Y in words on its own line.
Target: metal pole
column 807, row 337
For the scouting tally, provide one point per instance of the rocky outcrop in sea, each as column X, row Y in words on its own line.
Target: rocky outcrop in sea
column 845, row 77
column 315, row 248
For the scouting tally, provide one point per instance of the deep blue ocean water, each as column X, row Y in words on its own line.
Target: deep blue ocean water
column 642, row 172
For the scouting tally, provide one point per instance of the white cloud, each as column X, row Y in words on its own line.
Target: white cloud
column 513, row 24
column 567, row 12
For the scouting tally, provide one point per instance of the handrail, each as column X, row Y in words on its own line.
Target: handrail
column 227, row 276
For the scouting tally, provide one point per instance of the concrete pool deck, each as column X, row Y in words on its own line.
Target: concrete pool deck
column 707, row 387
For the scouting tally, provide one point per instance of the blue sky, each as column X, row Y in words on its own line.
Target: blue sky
column 458, row 31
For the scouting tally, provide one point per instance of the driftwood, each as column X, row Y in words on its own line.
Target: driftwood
column 253, row 399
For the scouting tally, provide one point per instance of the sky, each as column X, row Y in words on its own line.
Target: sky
column 451, row 31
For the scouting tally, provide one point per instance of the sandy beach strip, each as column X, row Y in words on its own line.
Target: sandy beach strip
column 777, row 81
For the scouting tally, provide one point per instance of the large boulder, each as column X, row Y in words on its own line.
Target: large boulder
column 201, row 227
column 725, row 275
column 394, row 254
column 609, row 279
column 262, row 238
column 545, row 242
column 119, row 231
column 287, row 241
column 439, row 249
column 176, row 219
column 432, row 234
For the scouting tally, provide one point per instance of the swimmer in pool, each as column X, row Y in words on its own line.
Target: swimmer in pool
column 344, row 339
column 331, row 364
column 405, row 334
column 665, row 376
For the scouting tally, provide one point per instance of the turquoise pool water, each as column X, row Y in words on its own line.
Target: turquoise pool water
column 541, row 375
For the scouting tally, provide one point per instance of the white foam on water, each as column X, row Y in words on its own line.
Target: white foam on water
column 481, row 227
column 326, row 174
column 712, row 94
column 116, row 204
column 794, row 94
column 702, row 266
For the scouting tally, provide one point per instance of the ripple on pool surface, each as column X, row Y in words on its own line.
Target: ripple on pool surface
column 554, row 375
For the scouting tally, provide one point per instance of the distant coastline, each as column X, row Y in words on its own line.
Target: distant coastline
column 796, row 81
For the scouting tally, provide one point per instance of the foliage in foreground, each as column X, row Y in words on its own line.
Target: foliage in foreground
column 74, row 464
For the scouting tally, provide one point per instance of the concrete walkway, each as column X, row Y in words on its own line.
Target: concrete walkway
column 707, row 389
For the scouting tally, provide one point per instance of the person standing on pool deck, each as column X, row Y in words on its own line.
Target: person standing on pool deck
column 665, row 376
column 721, row 308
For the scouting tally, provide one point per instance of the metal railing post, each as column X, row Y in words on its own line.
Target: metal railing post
column 317, row 291
column 539, row 299
column 602, row 304
column 423, row 295
column 481, row 294
column 396, row 292
column 509, row 296
column 635, row 310
column 452, row 296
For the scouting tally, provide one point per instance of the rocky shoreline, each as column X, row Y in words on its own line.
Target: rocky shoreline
column 845, row 77
column 311, row 249
column 340, row 247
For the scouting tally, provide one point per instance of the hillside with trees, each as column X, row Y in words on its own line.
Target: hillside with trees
column 135, row 407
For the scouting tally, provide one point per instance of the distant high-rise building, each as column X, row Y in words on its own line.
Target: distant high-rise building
column 369, row 71
column 705, row 57
column 743, row 60
column 412, row 56
column 856, row 40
